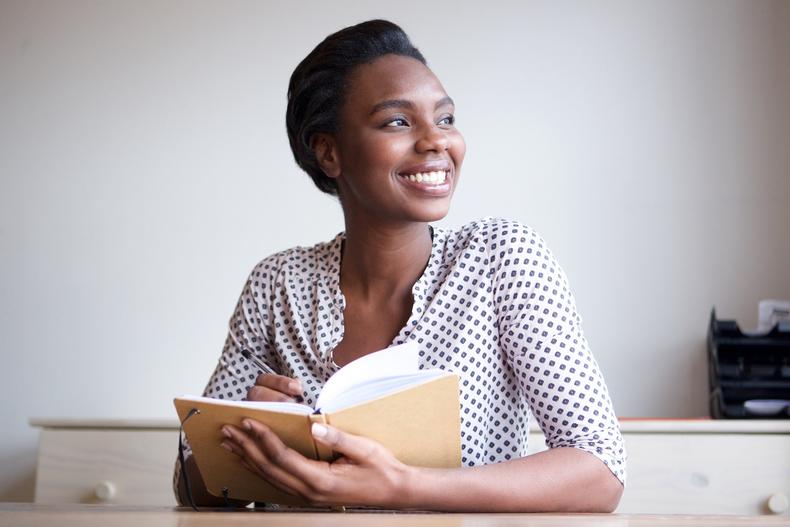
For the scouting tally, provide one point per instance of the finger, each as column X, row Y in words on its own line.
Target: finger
column 357, row 449
column 253, row 447
column 260, row 393
column 312, row 475
column 256, row 463
column 252, row 467
column 234, row 448
column 280, row 383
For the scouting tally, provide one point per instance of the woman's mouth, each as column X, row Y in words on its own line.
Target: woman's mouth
column 436, row 183
column 437, row 177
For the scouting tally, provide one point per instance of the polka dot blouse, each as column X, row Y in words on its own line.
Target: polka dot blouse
column 492, row 305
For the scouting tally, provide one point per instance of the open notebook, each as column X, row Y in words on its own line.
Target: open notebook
column 383, row 396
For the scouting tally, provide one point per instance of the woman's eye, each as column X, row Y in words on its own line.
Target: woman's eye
column 448, row 120
column 398, row 121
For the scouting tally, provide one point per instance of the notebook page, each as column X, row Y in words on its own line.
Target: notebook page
column 290, row 408
column 374, row 389
column 391, row 362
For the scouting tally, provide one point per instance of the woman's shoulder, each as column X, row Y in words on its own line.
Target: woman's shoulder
column 304, row 262
column 496, row 234
column 508, row 248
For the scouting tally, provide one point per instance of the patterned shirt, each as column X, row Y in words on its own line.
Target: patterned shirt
column 492, row 305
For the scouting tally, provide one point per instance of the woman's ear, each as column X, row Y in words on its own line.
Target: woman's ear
column 325, row 149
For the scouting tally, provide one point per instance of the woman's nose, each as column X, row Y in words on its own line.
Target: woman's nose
column 433, row 139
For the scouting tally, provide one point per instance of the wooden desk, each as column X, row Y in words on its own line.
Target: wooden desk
column 35, row 515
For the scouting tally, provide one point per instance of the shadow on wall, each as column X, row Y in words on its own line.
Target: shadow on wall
column 19, row 485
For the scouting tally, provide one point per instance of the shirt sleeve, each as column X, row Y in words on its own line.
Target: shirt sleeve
column 248, row 328
column 541, row 334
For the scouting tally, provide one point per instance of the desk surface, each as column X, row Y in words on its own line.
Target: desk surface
column 627, row 425
column 29, row 514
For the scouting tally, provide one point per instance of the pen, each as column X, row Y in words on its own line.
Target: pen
column 259, row 363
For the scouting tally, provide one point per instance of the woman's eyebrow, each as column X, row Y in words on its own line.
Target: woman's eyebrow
column 403, row 103
column 444, row 101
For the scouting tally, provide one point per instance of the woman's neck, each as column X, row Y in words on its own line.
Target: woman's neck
column 381, row 263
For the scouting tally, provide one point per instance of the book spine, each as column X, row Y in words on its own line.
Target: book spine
column 322, row 452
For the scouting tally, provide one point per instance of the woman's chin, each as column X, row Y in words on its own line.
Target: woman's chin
column 433, row 212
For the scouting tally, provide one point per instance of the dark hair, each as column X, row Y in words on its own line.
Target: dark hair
column 317, row 86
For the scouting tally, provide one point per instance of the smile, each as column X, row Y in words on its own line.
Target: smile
column 427, row 178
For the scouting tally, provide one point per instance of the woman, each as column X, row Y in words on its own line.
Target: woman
column 370, row 123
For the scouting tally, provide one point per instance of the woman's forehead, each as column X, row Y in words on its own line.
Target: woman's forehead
column 392, row 77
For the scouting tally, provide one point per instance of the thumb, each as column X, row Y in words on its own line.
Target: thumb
column 356, row 448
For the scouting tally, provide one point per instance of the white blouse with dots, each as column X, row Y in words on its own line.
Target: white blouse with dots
column 492, row 305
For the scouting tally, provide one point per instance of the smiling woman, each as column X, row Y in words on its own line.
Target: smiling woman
column 398, row 154
column 370, row 122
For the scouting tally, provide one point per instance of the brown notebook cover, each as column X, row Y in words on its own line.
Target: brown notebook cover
column 420, row 424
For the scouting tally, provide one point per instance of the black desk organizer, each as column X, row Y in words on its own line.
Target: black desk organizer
column 743, row 367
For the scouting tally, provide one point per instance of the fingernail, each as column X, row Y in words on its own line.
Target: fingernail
column 319, row 430
column 226, row 432
column 295, row 386
column 226, row 446
column 246, row 425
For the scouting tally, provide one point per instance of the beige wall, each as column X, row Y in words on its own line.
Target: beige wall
column 144, row 170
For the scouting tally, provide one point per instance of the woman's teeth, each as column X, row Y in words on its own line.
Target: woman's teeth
column 432, row 178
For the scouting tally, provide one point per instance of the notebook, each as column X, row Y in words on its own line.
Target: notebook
column 383, row 395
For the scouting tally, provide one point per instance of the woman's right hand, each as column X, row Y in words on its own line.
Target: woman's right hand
column 275, row 388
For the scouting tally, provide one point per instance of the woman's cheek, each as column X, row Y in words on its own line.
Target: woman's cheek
column 458, row 148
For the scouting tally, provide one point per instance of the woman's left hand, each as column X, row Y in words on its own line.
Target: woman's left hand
column 366, row 474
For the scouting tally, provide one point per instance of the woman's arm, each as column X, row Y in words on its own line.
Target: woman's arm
column 236, row 378
column 558, row 480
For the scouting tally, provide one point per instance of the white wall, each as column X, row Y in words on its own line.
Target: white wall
column 144, row 169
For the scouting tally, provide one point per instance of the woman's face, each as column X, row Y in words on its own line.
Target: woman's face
column 399, row 154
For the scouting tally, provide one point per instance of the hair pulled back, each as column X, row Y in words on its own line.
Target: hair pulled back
column 318, row 84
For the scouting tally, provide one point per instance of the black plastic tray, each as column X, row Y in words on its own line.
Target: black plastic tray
column 743, row 368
